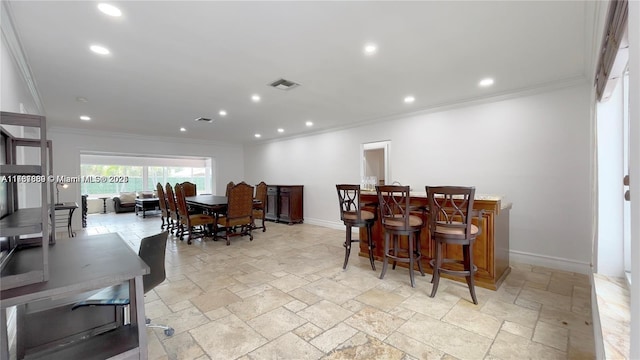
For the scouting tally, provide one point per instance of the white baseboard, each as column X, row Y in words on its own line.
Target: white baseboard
column 550, row 262
column 337, row 225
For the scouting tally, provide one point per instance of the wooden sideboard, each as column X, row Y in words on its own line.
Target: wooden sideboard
column 490, row 251
column 285, row 203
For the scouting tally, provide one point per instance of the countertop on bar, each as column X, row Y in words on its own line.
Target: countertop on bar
column 504, row 204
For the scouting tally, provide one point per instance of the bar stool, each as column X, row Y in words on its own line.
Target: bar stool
column 450, row 215
column 352, row 215
column 397, row 221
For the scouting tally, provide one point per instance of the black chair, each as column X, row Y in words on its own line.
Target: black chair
column 152, row 252
column 352, row 215
column 450, row 215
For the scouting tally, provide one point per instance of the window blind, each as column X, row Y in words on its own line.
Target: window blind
column 614, row 51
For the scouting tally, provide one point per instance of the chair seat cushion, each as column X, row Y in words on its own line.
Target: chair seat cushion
column 414, row 221
column 365, row 215
column 455, row 231
column 199, row 219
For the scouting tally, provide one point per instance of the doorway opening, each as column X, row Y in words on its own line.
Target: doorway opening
column 374, row 160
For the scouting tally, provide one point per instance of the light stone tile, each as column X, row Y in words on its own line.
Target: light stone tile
column 214, row 299
column 509, row 346
column 210, row 280
column 435, row 307
column 295, row 305
column 305, row 296
column 259, row 304
column 546, row 298
column 253, row 290
column 288, row 346
column 468, row 316
column 288, row 283
column 308, row 331
column 413, row 347
column 255, row 278
column 380, row 299
column 517, row 329
column 276, row 323
column 227, row 338
column 363, row 347
column 445, row 337
column 180, row 305
column 280, row 274
column 178, row 291
column 353, row 305
column 155, row 350
column 576, row 323
column 331, row 338
column 561, row 287
column 511, row 312
column 325, row 314
column 402, row 313
column 528, row 304
column 181, row 321
column 182, row 347
column 331, row 290
column 156, row 308
column 218, row 313
column 550, row 335
column 374, row 322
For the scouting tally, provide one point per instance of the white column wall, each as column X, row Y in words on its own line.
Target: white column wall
column 532, row 149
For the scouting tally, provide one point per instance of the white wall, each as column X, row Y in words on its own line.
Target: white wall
column 69, row 143
column 532, row 149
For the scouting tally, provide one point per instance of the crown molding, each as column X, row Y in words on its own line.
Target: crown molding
column 578, row 80
column 10, row 35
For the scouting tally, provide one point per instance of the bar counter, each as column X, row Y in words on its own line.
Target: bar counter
column 490, row 251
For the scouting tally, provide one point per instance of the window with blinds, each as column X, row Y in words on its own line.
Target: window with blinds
column 614, row 53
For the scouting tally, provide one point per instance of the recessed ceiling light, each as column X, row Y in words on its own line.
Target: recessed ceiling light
column 409, row 99
column 257, row 135
column 109, row 9
column 370, row 49
column 280, row 130
column 183, row 129
column 85, row 118
column 309, row 123
column 222, row 113
column 255, row 98
column 486, row 82
column 99, row 49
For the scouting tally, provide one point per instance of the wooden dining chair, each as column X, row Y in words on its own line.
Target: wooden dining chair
column 173, row 209
column 162, row 203
column 259, row 206
column 189, row 188
column 230, row 184
column 239, row 213
column 196, row 225
column 397, row 221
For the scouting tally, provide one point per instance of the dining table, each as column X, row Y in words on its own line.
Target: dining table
column 213, row 204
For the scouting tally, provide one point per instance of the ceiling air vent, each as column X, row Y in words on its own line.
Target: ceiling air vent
column 204, row 119
column 283, row 84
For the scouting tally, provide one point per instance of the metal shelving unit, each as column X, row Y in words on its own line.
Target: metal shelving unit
column 25, row 227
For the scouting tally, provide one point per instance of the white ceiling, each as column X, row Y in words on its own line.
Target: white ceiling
column 174, row 61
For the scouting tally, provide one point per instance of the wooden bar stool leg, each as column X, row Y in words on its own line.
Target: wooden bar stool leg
column 347, row 247
column 436, row 269
column 411, row 260
column 385, row 258
column 467, row 251
column 396, row 239
column 370, row 241
column 418, row 253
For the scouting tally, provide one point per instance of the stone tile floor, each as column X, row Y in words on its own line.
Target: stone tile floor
column 284, row 295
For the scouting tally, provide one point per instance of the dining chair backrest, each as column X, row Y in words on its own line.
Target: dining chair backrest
column 171, row 199
column 349, row 201
column 162, row 200
column 230, row 184
column 240, row 202
column 393, row 201
column 261, row 193
column 189, row 189
column 451, row 210
column 181, row 203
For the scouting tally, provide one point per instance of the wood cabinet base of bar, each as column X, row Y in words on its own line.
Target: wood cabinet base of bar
column 490, row 251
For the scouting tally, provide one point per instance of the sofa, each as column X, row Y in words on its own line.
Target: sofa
column 125, row 202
